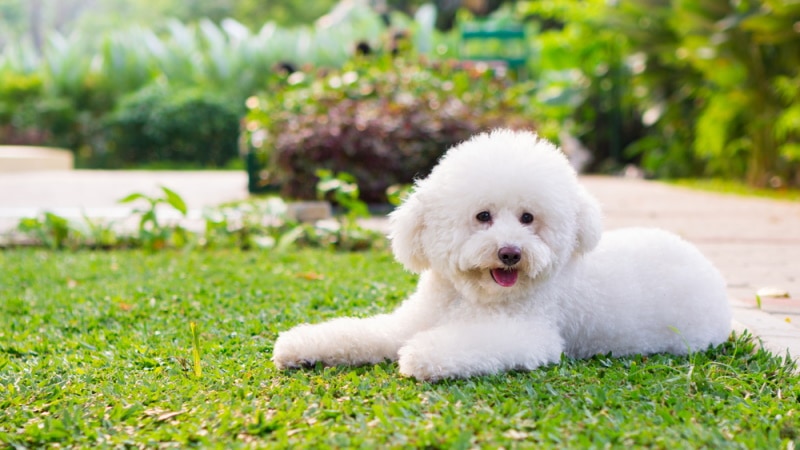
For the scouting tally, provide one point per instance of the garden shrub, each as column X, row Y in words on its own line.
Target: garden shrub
column 29, row 117
column 18, row 93
column 16, row 89
column 683, row 89
column 61, row 120
column 385, row 121
column 161, row 123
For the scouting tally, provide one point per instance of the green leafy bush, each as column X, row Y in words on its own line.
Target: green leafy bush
column 684, row 88
column 159, row 123
column 385, row 121
column 705, row 81
column 18, row 93
column 17, row 88
column 29, row 117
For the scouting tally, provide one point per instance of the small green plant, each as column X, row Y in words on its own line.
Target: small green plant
column 154, row 235
column 342, row 189
column 100, row 234
column 397, row 193
column 220, row 231
column 49, row 229
column 257, row 223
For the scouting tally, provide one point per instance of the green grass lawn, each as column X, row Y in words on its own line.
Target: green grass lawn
column 96, row 350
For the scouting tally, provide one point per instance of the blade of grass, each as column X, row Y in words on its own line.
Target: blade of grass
column 198, row 369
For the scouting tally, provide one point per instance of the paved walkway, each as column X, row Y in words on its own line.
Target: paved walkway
column 754, row 242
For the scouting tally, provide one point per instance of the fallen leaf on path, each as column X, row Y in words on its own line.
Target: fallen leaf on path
column 771, row 292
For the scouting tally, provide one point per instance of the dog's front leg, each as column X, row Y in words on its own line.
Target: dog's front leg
column 343, row 341
column 353, row 341
column 460, row 350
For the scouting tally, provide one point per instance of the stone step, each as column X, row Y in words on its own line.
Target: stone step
column 26, row 159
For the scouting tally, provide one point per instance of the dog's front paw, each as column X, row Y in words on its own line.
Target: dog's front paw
column 340, row 342
column 291, row 351
column 413, row 364
column 430, row 366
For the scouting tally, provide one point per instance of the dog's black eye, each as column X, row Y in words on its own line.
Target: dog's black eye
column 484, row 216
column 526, row 218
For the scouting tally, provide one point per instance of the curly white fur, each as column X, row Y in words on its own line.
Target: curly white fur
column 527, row 281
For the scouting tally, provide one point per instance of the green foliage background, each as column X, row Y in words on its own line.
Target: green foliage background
column 679, row 87
column 101, row 16
column 683, row 87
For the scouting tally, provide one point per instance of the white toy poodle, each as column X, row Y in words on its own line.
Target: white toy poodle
column 515, row 272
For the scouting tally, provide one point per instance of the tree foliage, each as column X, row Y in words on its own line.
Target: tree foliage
column 736, row 56
column 62, row 97
column 680, row 87
column 33, row 20
column 691, row 87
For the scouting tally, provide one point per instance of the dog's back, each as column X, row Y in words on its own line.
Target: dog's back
column 645, row 291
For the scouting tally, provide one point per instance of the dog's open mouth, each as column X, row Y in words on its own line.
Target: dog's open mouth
column 504, row 277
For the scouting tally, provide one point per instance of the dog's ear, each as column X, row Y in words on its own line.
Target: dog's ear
column 406, row 225
column 590, row 222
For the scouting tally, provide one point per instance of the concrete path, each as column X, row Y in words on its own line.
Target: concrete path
column 754, row 242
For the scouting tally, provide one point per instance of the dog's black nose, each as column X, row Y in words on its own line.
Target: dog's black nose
column 509, row 255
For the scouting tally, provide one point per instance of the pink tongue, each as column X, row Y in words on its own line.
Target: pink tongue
column 505, row 278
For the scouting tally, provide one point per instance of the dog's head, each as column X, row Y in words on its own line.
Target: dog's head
column 498, row 214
